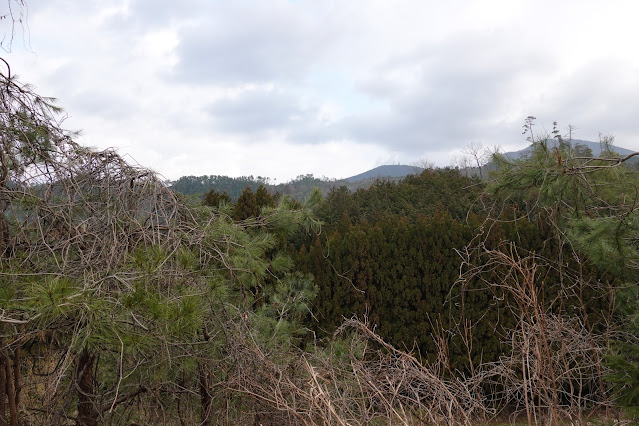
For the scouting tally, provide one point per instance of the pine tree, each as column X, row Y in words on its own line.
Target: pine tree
column 246, row 206
column 586, row 205
column 213, row 198
column 118, row 297
column 263, row 198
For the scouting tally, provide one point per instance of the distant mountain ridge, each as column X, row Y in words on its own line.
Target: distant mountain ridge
column 386, row 171
column 300, row 187
column 595, row 147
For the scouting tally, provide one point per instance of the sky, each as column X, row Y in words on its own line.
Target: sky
column 281, row 88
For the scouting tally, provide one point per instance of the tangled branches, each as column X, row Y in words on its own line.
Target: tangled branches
column 87, row 209
column 358, row 379
column 553, row 373
column 101, row 266
column 553, row 369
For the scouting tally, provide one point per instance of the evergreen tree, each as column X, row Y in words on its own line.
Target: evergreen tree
column 246, row 206
column 213, row 198
column 121, row 303
column 586, row 203
column 263, row 198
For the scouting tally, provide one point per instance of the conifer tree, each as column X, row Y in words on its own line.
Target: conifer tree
column 246, row 206
column 119, row 301
column 263, row 198
column 213, row 198
column 589, row 205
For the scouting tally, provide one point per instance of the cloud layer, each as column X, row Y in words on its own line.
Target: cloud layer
column 280, row 88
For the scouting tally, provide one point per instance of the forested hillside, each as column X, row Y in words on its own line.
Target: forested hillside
column 297, row 188
column 473, row 275
column 501, row 290
column 439, row 298
column 199, row 185
column 393, row 252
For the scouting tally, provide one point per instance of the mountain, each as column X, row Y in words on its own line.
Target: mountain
column 595, row 148
column 387, row 171
column 297, row 188
column 301, row 186
column 588, row 148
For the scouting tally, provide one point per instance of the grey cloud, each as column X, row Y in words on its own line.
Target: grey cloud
column 456, row 91
column 601, row 96
column 258, row 111
column 253, row 42
column 478, row 87
column 146, row 15
column 457, row 94
column 314, row 132
column 43, row 7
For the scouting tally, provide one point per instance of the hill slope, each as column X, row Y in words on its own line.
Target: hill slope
column 386, row 171
column 595, row 147
column 300, row 187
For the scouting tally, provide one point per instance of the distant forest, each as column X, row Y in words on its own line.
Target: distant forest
column 298, row 188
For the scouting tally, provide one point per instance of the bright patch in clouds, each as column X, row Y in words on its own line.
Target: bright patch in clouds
column 281, row 88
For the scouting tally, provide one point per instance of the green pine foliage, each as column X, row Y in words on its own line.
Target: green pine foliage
column 149, row 318
column 590, row 203
column 214, row 198
column 246, row 205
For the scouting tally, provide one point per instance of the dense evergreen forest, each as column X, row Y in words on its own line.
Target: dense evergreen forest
column 426, row 261
column 391, row 253
column 436, row 299
column 297, row 188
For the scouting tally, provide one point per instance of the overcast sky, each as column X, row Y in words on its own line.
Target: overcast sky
column 279, row 88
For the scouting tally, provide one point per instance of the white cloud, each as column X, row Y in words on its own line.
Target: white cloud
column 279, row 88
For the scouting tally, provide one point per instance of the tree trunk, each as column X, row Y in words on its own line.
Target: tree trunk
column 87, row 405
column 17, row 376
column 3, row 390
column 206, row 401
column 10, row 391
column 5, row 245
column 9, row 382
